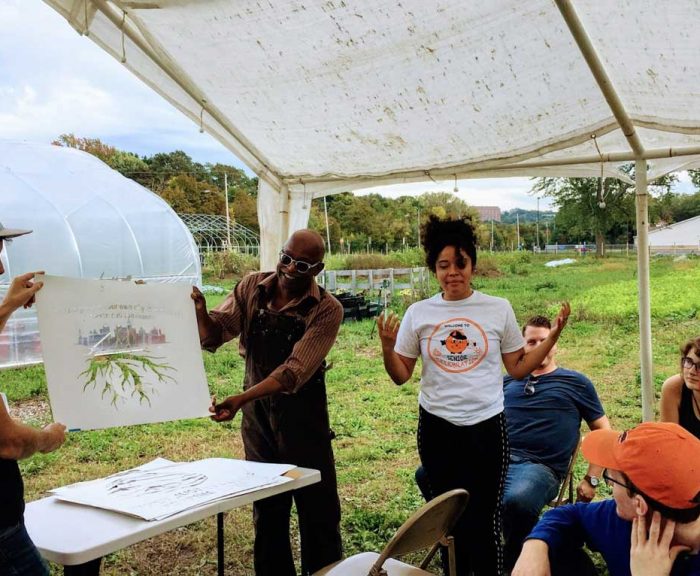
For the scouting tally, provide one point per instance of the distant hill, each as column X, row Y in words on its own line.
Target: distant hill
column 526, row 216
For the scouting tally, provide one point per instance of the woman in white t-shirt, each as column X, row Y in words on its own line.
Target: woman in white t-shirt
column 462, row 337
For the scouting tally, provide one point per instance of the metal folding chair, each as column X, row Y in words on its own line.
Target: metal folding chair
column 567, row 484
column 428, row 527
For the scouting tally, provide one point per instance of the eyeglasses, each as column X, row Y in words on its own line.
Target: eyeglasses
column 529, row 388
column 688, row 363
column 610, row 481
column 301, row 266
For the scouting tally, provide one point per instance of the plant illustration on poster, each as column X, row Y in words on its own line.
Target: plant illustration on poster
column 119, row 353
column 119, row 373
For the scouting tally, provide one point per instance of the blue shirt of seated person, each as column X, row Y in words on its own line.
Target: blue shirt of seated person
column 543, row 416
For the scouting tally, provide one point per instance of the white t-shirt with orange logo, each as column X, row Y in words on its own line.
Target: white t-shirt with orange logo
column 460, row 343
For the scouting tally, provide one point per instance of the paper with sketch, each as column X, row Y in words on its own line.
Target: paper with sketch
column 162, row 488
column 118, row 353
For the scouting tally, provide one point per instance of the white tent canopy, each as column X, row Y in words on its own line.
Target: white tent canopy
column 326, row 96
column 89, row 222
column 322, row 97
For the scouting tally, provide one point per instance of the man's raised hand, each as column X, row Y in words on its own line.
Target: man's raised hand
column 652, row 554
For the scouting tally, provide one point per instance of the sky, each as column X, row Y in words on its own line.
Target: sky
column 53, row 81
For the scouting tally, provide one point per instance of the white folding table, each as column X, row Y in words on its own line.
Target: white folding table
column 78, row 536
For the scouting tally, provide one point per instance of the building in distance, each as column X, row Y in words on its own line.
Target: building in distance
column 488, row 213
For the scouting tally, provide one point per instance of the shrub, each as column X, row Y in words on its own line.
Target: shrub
column 364, row 261
column 229, row 264
column 487, row 265
column 369, row 262
column 518, row 263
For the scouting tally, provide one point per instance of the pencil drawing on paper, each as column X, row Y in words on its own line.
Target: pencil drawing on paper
column 141, row 482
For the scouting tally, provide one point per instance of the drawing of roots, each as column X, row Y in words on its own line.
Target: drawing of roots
column 123, row 375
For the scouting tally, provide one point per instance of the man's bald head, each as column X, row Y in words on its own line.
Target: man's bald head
column 307, row 245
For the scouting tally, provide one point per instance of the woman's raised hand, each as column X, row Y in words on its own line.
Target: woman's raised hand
column 562, row 318
column 388, row 326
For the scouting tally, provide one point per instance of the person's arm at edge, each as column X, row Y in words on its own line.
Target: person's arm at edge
column 18, row 441
column 20, row 294
column 397, row 366
column 533, row 559
column 559, row 525
column 520, row 363
column 671, row 398
column 585, row 492
column 5, row 313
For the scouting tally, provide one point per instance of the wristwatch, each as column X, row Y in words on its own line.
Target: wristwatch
column 592, row 480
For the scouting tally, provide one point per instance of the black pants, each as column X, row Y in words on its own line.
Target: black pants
column 294, row 429
column 474, row 458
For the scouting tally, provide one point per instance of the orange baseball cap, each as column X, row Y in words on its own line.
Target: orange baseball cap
column 662, row 459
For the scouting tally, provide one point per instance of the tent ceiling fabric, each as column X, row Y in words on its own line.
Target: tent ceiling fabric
column 335, row 93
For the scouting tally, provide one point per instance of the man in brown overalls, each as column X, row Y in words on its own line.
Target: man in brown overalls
column 287, row 324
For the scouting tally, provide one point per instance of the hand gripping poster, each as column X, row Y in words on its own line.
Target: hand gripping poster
column 118, row 353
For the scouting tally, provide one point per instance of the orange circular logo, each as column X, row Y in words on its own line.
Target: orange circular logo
column 457, row 345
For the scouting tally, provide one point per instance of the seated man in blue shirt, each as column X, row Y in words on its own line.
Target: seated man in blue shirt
column 543, row 415
column 654, row 472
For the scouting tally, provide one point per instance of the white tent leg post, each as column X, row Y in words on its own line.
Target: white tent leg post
column 642, row 204
column 299, row 210
column 284, row 215
column 271, row 212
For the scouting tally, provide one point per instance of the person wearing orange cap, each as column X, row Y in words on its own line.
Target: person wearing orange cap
column 654, row 473
column 18, row 555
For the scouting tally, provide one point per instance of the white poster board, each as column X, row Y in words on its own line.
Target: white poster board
column 118, row 353
column 163, row 488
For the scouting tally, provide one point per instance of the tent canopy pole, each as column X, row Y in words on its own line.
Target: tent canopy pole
column 642, row 208
column 595, row 64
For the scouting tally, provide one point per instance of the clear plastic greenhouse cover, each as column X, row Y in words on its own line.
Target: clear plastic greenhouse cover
column 89, row 221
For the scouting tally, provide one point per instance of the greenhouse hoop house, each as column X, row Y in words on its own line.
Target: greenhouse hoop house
column 88, row 221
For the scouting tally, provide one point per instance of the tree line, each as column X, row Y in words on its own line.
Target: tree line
column 590, row 210
column 188, row 186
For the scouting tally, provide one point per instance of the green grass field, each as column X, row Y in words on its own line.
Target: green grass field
column 375, row 420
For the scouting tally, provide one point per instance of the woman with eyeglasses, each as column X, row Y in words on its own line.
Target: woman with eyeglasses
column 680, row 394
column 463, row 337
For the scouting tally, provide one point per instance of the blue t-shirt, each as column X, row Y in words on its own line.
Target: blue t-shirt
column 598, row 526
column 543, row 427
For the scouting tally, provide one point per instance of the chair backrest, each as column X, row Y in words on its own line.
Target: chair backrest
column 430, row 524
column 568, row 482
